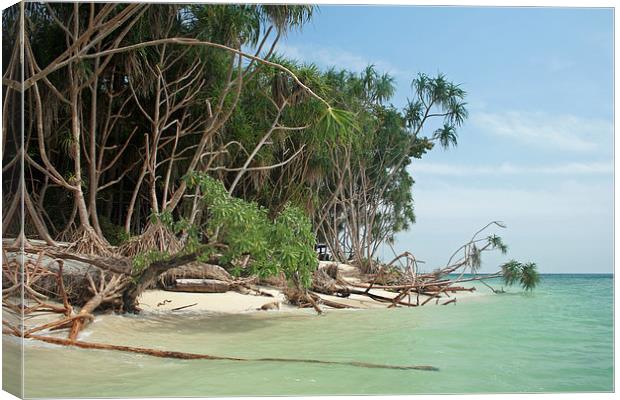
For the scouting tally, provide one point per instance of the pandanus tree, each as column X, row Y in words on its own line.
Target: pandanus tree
column 369, row 192
column 125, row 102
column 470, row 261
column 178, row 71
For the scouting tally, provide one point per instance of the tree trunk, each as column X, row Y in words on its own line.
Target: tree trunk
column 37, row 221
column 93, row 180
column 150, row 276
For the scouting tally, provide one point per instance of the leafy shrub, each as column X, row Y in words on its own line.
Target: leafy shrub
column 285, row 244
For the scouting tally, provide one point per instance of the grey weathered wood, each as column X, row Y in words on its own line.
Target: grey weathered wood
column 200, row 286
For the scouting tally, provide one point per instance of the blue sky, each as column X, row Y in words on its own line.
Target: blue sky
column 537, row 149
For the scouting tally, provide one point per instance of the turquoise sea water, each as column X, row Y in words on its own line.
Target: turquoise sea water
column 557, row 339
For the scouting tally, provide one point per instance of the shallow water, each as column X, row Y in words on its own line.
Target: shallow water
column 558, row 339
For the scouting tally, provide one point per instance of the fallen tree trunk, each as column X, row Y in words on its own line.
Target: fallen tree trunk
column 377, row 297
column 118, row 265
column 150, row 275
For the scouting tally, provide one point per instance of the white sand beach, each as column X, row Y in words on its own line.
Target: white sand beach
column 157, row 300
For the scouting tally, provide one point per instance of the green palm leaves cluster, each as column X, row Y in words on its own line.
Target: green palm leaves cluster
column 496, row 242
column 447, row 97
column 244, row 23
column 524, row 274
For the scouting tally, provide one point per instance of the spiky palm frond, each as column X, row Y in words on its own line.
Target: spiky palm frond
column 457, row 113
column 497, row 243
column 474, row 261
column 446, row 135
column 526, row 274
column 338, row 123
column 413, row 113
column 529, row 276
column 286, row 17
column 385, row 88
column 510, row 272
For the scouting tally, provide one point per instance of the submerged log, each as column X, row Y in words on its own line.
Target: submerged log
column 334, row 304
column 196, row 356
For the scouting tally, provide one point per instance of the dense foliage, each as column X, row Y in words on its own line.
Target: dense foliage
column 188, row 113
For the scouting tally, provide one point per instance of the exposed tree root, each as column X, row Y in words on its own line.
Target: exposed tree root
column 155, row 237
column 86, row 241
column 23, row 280
column 33, row 271
column 67, row 234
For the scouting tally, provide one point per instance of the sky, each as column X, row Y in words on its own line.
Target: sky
column 537, row 149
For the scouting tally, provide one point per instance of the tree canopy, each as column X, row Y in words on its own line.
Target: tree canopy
column 157, row 129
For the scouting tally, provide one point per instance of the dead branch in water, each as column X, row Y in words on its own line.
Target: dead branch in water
column 103, row 293
column 34, row 271
column 196, row 356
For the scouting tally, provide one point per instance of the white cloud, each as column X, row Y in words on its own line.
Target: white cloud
column 336, row 57
column 567, row 199
column 569, row 169
column 562, row 132
column 564, row 227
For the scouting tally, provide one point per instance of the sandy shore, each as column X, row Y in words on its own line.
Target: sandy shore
column 233, row 302
column 229, row 302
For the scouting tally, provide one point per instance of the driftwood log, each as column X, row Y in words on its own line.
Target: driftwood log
column 200, row 286
column 195, row 270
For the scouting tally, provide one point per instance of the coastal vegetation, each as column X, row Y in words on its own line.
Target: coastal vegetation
column 162, row 136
